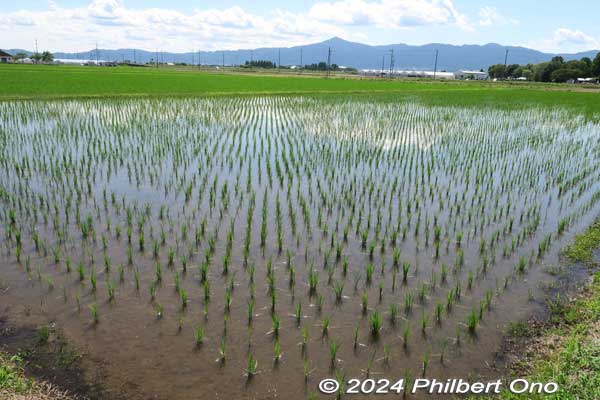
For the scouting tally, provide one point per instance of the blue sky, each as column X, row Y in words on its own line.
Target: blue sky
column 183, row 25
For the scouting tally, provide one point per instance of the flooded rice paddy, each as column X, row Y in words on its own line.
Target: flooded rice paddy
column 249, row 247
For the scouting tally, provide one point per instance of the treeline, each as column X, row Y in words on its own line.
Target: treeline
column 555, row 70
column 321, row 66
column 45, row 56
column 260, row 64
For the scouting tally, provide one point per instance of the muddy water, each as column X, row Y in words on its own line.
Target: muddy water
column 351, row 152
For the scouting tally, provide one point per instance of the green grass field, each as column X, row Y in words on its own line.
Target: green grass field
column 53, row 82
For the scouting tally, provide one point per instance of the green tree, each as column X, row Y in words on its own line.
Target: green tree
column 511, row 71
column 586, row 66
column 563, row 75
column 47, row 57
column 596, row 66
column 497, row 71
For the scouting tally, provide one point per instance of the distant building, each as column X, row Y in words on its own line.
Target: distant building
column 5, row 58
column 586, row 81
column 472, row 75
column 408, row 74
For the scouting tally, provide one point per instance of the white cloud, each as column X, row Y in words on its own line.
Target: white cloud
column 565, row 40
column 576, row 37
column 489, row 16
column 389, row 13
column 112, row 25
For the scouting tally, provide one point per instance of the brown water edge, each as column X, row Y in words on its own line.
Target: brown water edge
column 116, row 355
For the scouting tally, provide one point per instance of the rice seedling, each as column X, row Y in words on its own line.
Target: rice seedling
column 472, row 320
column 223, row 351
column 319, row 302
column 405, row 336
column 393, row 310
column 159, row 308
column 356, row 336
column 375, row 321
column 251, row 367
column 338, row 289
column 95, row 313
column 199, row 336
column 325, row 326
column 424, row 323
column 408, row 302
column 405, row 270
column 43, row 334
column 370, row 364
column 333, row 350
column 110, row 288
column 183, row 297
column 277, row 351
column 250, row 310
column 425, row 362
column 365, row 301
column 93, row 280
column 304, row 334
column 275, row 324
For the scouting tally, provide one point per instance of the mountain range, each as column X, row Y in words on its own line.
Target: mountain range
column 344, row 53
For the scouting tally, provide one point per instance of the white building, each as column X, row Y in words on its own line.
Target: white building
column 408, row 74
column 5, row 58
column 470, row 75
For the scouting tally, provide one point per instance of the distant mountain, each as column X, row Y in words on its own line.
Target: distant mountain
column 345, row 53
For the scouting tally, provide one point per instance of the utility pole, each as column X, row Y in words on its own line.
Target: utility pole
column 328, row 60
column 96, row 53
column 36, row 51
column 505, row 61
column 223, row 55
column 391, row 63
column 192, row 57
column 435, row 67
column 251, row 57
column 300, row 57
column 279, row 60
column 157, row 58
column 382, row 64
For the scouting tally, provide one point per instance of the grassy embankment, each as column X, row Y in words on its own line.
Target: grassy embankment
column 16, row 385
column 64, row 82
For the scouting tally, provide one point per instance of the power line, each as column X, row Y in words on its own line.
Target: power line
column 391, row 62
